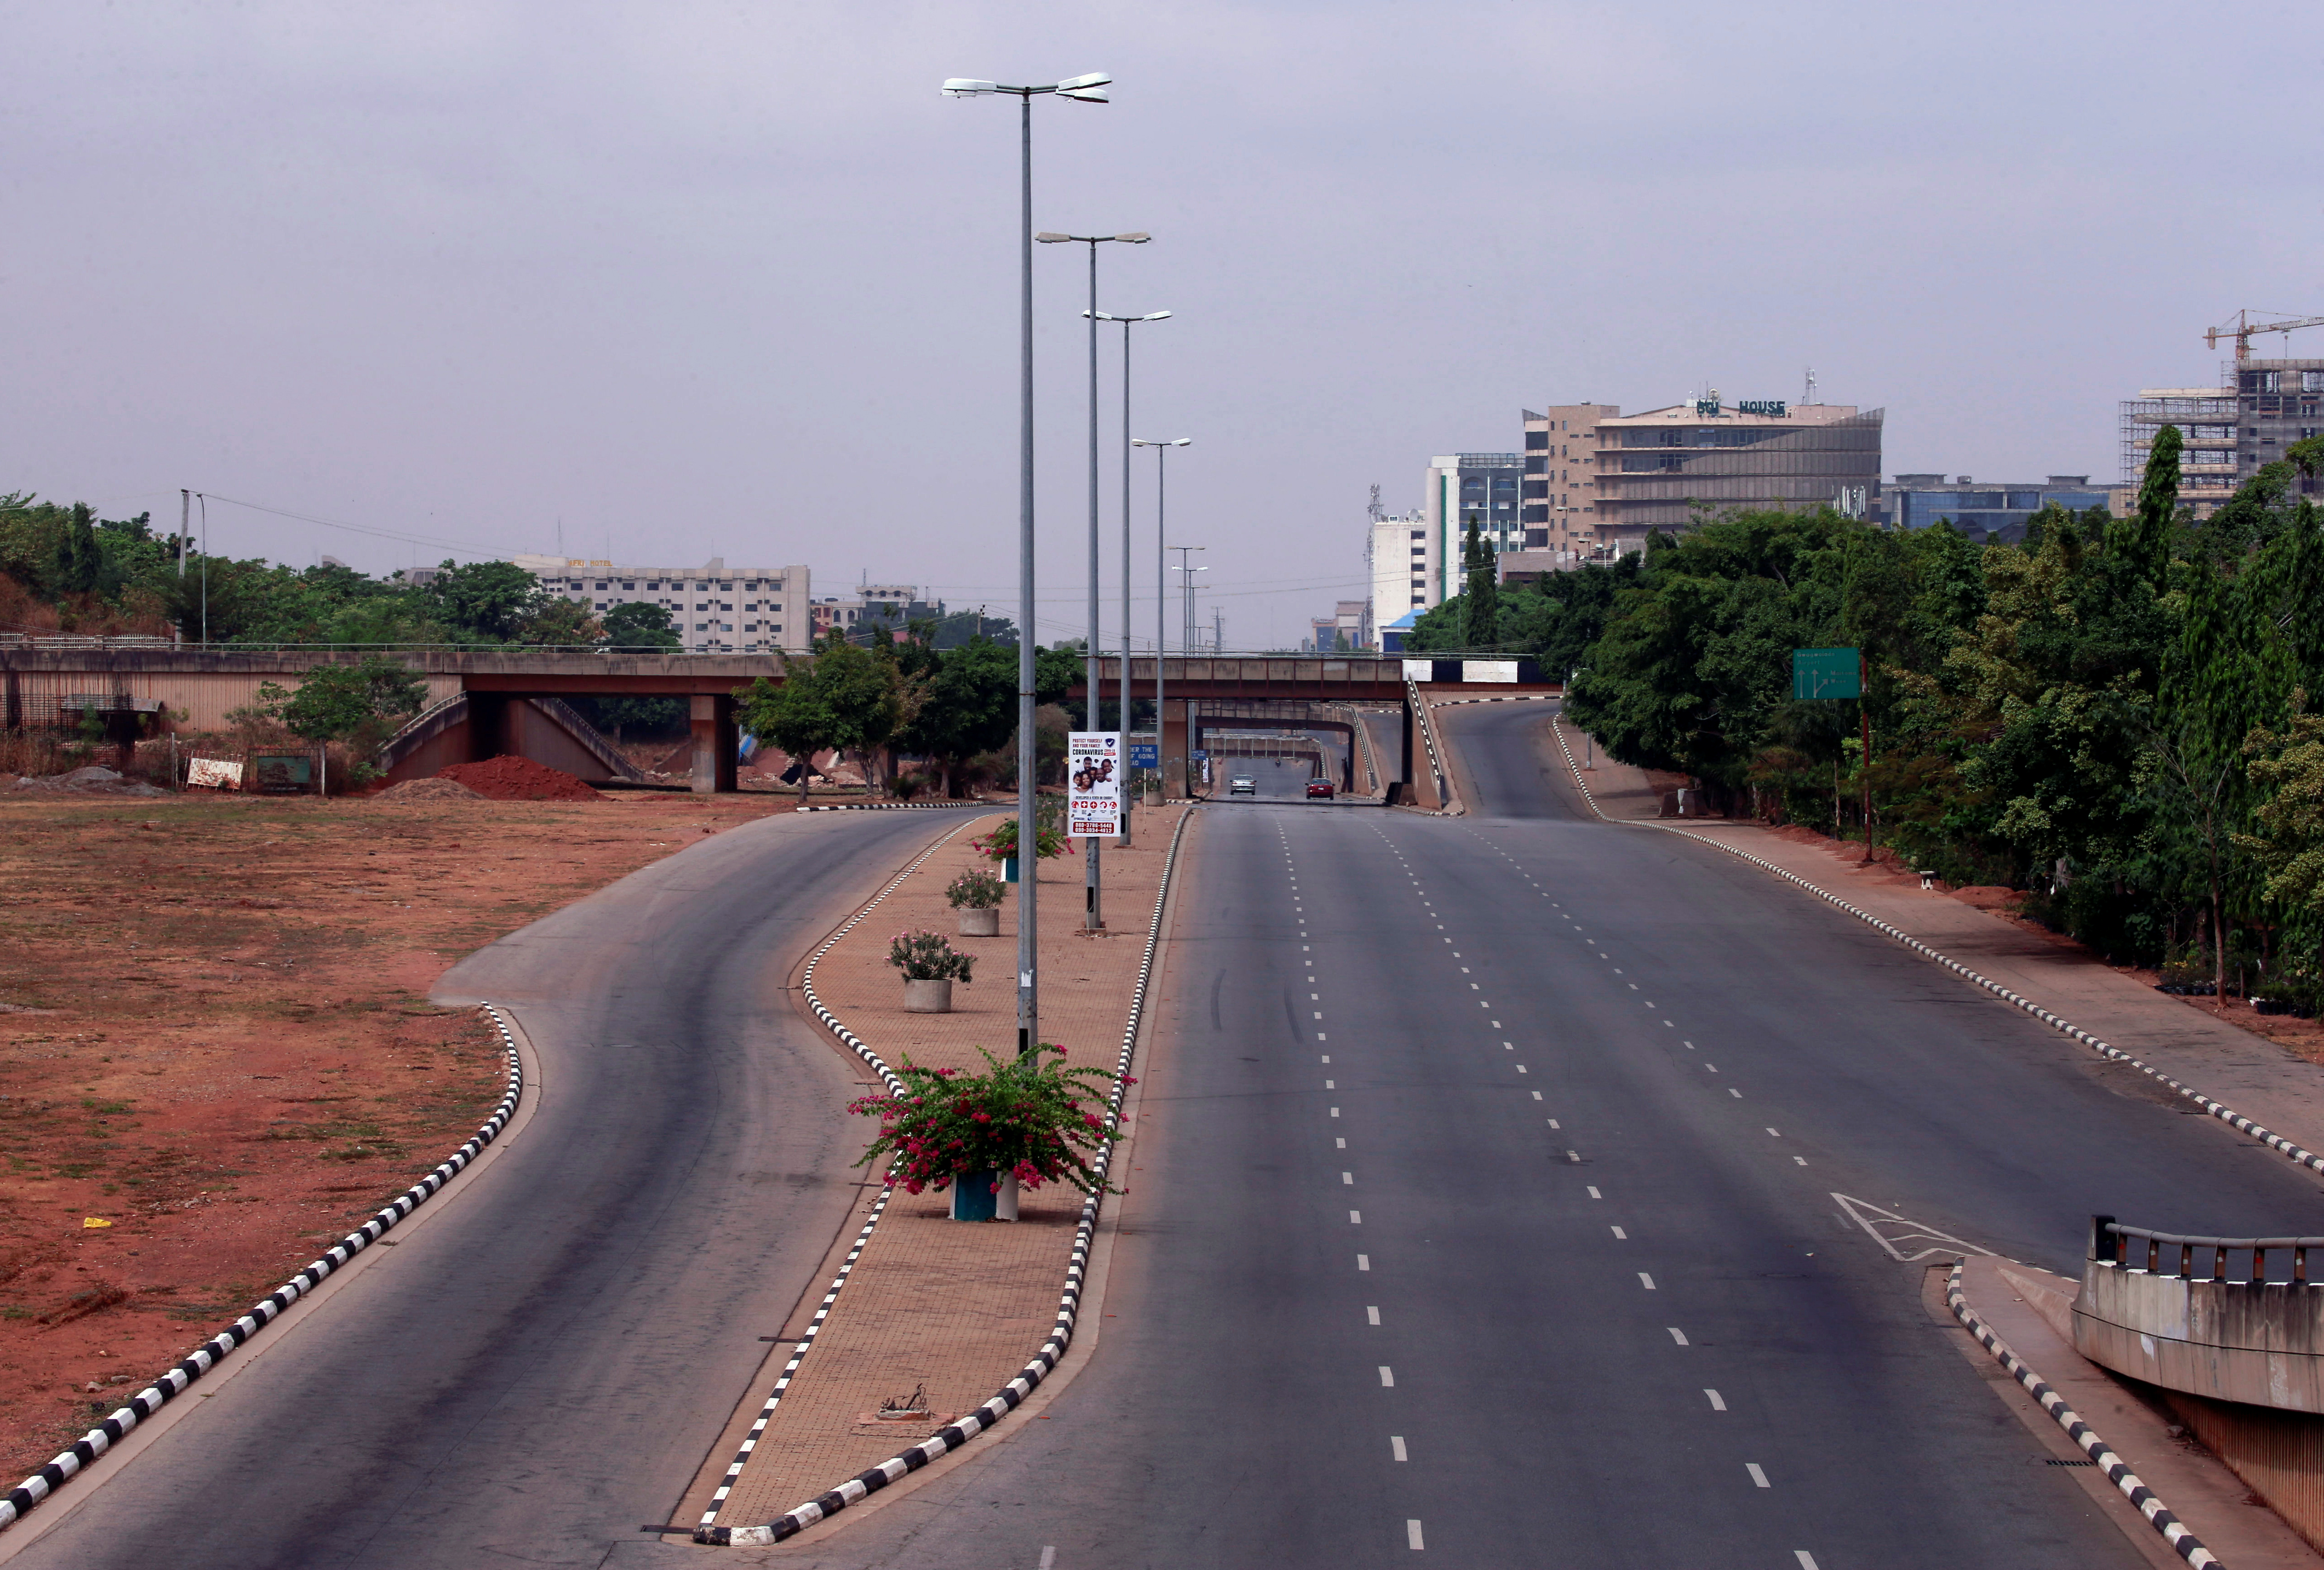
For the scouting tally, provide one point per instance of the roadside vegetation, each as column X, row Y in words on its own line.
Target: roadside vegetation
column 2122, row 716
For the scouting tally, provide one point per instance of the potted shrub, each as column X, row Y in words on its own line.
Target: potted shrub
column 976, row 895
column 1001, row 844
column 1016, row 1125
column 930, row 966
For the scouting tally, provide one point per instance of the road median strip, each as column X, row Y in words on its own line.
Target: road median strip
column 869, row 1326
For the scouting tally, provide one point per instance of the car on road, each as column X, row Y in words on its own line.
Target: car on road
column 1243, row 785
column 1319, row 788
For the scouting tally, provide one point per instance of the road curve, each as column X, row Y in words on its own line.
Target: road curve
column 538, row 1370
column 1384, row 1302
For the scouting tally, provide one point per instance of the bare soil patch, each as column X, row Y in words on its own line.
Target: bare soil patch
column 215, row 1039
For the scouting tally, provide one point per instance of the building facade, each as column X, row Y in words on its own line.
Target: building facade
column 1348, row 629
column 1996, row 514
column 716, row 609
column 2229, row 432
column 1559, row 509
column 1403, row 562
column 1462, row 488
column 1663, row 468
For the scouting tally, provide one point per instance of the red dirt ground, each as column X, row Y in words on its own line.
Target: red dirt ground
column 508, row 778
column 213, row 1034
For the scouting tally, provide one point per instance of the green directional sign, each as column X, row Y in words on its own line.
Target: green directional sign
column 1827, row 673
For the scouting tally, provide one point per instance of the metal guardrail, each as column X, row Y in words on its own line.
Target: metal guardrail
column 2112, row 1243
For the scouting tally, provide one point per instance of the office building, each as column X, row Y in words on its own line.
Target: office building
column 1604, row 480
column 1994, row 513
column 1402, row 555
column 715, row 608
column 1559, row 509
column 1462, row 488
column 894, row 607
column 1347, row 629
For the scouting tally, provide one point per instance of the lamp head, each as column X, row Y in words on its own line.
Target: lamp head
column 1154, row 315
column 1135, row 237
column 1047, row 237
column 1086, row 89
column 967, row 87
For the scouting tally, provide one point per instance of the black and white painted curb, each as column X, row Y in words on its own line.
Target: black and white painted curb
column 1506, row 697
column 1428, row 739
column 1010, row 1396
column 214, row 1351
column 2225, row 1115
column 880, row 1206
column 2187, row 1547
column 890, row 805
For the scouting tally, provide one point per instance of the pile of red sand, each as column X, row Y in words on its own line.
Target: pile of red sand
column 509, row 777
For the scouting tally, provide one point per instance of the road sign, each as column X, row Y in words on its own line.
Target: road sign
column 1145, row 755
column 1827, row 673
column 1200, row 754
column 1094, row 761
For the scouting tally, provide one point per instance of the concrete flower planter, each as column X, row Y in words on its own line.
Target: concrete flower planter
column 979, row 922
column 985, row 1196
column 927, row 997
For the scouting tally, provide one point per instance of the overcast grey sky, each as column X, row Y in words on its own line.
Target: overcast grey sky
column 734, row 280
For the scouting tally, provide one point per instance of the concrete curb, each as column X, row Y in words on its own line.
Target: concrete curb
column 953, row 1435
column 891, row 806
column 2187, row 1547
column 214, row 1351
column 2225, row 1115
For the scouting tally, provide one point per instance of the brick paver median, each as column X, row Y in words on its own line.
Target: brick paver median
column 952, row 1308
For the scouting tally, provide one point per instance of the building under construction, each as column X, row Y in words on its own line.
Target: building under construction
column 2233, row 431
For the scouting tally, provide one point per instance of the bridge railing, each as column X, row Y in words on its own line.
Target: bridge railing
column 2144, row 1248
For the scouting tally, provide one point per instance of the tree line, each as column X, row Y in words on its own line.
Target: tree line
column 2122, row 717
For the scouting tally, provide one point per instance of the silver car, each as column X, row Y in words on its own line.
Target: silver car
column 1243, row 785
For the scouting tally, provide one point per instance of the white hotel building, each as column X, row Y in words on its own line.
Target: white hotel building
column 715, row 608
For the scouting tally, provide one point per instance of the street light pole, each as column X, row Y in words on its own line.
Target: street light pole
column 1088, row 89
column 1187, row 645
column 1093, row 659
column 1126, row 443
column 1161, row 586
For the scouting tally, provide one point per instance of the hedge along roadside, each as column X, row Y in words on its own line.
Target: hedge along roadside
column 953, row 1435
column 854, row 1044
column 2183, row 1541
column 214, row 1351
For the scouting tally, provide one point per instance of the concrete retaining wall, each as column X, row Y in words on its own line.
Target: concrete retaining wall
column 2262, row 1344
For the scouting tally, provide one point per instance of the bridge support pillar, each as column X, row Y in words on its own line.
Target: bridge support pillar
column 1173, row 730
column 488, row 729
column 716, row 742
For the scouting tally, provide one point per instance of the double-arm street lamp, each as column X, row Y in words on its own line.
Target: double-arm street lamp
column 1127, row 322
column 1086, row 89
column 1161, row 587
column 1092, row 911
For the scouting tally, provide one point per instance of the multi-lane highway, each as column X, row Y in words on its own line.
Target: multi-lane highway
column 1484, row 1206
column 538, row 1367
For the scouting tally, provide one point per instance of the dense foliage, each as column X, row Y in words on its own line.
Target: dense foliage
column 2113, row 715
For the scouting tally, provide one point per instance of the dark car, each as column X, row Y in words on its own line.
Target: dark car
column 1319, row 788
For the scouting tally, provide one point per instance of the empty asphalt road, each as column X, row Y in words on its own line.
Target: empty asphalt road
column 1484, row 1205
column 539, row 1368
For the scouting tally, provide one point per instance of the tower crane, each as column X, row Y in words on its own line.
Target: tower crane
column 2243, row 327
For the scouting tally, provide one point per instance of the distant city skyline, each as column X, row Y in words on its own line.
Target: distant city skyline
column 471, row 274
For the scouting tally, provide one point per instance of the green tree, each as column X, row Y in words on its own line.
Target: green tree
column 488, row 602
column 360, row 704
column 967, row 705
column 79, row 563
column 635, row 624
column 1480, row 595
column 841, row 696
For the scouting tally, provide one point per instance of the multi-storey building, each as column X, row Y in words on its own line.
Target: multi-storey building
column 1995, row 512
column 1348, row 628
column 715, row 608
column 2230, row 431
column 1403, row 557
column 895, row 606
column 1560, row 507
column 1463, row 488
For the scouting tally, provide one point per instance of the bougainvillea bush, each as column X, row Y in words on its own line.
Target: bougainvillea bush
column 1034, row 1117
column 928, row 956
column 1001, row 843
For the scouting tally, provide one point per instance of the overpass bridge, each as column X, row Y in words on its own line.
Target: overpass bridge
column 194, row 686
